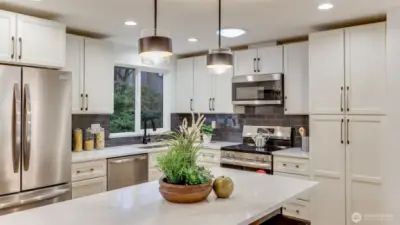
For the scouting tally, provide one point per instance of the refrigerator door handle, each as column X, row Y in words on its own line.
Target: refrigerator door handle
column 39, row 198
column 17, row 128
column 28, row 127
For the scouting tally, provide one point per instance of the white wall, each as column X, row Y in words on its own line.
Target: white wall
column 391, row 151
column 128, row 56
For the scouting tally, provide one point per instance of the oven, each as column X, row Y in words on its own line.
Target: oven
column 264, row 89
column 246, row 161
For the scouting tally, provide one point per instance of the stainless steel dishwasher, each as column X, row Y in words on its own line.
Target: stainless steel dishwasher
column 127, row 171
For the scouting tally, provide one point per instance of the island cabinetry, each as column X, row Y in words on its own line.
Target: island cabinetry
column 295, row 168
column 209, row 158
column 89, row 178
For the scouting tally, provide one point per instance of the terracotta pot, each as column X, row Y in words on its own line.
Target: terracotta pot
column 185, row 193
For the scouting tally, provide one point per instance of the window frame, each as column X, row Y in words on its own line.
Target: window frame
column 138, row 131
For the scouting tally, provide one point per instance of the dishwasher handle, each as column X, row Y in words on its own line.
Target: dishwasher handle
column 133, row 159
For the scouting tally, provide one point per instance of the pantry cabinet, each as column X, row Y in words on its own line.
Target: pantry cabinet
column 27, row 40
column 296, row 78
column 92, row 66
column 263, row 60
column 347, row 70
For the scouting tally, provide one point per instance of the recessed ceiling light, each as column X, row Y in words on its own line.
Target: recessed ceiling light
column 130, row 23
column 232, row 32
column 325, row 6
column 193, row 39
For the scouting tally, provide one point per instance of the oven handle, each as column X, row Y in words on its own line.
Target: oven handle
column 235, row 162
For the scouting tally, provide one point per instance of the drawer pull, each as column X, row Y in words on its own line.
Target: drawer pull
column 82, row 171
column 209, row 155
column 284, row 208
column 297, row 166
column 297, row 211
column 284, row 164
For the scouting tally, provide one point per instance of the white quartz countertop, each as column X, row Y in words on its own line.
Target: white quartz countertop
column 292, row 152
column 126, row 150
column 255, row 196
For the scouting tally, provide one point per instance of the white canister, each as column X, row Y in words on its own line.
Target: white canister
column 207, row 139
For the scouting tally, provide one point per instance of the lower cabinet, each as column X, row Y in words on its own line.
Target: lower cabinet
column 209, row 158
column 89, row 187
column 297, row 209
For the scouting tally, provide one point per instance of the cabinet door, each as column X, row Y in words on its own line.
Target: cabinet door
column 296, row 78
column 41, row 42
column 99, row 77
column 7, row 36
column 245, row 62
column 154, row 174
column 222, row 102
column 270, row 60
column 184, row 86
column 363, row 164
column 326, row 72
column 74, row 64
column 327, row 158
column 89, row 187
column 366, row 69
column 203, row 85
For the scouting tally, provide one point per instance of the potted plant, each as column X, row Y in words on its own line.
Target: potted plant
column 207, row 132
column 184, row 181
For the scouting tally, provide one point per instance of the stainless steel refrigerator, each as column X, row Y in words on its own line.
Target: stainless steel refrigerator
column 35, row 137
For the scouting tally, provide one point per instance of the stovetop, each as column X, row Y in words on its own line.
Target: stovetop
column 266, row 150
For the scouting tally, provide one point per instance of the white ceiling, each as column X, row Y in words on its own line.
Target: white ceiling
column 264, row 20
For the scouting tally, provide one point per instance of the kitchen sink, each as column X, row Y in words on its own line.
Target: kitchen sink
column 153, row 146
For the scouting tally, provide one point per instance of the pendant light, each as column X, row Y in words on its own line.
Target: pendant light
column 221, row 59
column 155, row 47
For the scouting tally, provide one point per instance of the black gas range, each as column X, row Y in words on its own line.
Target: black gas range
column 247, row 156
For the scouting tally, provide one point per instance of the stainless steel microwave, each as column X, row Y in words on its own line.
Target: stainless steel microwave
column 265, row 89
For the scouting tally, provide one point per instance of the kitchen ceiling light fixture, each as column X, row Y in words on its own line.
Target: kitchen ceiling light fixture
column 221, row 59
column 130, row 23
column 231, row 32
column 193, row 39
column 325, row 6
column 155, row 47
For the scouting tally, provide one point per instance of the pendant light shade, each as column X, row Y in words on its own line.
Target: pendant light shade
column 155, row 47
column 221, row 59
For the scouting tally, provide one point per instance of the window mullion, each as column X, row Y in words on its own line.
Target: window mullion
column 138, row 118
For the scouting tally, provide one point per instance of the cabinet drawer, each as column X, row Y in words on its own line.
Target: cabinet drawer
column 305, row 196
column 291, row 165
column 154, row 174
column 153, row 158
column 88, row 170
column 89, row 187
column 212, row 156
column 297, row 209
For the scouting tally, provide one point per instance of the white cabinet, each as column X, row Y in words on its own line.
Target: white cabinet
column 7, row 36
column 27, row 40
column 184, row 85
column 258, row 61
column 366, row 69
column 154, row 171
column 296, row 78
column 89, row 187
column 92, row 67
column 209, row 158
column 40, row 42
column 326, row 93
column 363, row 166
column 348, row 70
column 327, row 157
column 199, row 90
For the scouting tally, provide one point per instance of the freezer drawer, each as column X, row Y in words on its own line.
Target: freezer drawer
column 127, row 171
column 33, row 199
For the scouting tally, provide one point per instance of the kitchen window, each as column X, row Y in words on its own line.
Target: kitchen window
column 136, row 90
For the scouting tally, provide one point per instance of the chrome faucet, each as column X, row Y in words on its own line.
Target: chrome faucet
column 146, row 137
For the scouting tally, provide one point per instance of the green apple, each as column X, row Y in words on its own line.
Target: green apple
column 223, row 187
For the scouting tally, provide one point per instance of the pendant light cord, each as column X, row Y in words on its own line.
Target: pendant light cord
column 155, row 17
column 219, row 24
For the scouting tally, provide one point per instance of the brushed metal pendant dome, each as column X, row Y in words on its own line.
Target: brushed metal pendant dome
column 219, row 59
column 159, row 45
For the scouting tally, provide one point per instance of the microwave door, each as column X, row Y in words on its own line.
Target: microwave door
column 257, row 93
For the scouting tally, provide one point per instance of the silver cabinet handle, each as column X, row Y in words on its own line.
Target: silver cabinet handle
column 209, row 104
column 209, row 155
column 348, row 99
column 87, row 102
column 341, row 98
column 12, row 46
column 121, row 161
column 341, row 131
column 17, row 128
column 82, row 171
column 348, row 131
column 82, row 102
column 258, row 65
column 20, row 48
column 255, row 65
column 213, row 104
column 191, row 104
column 28, row 127
column 39, row 198
column 285, row 103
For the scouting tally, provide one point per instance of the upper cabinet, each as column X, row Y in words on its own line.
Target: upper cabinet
column 347, row 70
column 296, row 78
column 92, row 66
column 199, row 90
column 31, row 41
column 258, row 61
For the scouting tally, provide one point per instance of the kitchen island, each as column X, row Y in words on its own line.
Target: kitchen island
column 255, row 196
